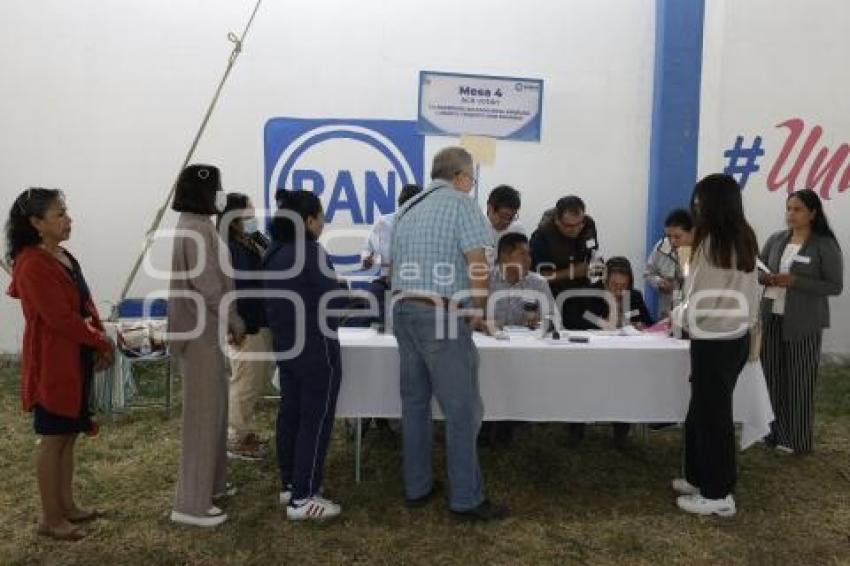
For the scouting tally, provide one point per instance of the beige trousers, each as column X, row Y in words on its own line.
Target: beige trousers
column 248, row 379
column 203, row 459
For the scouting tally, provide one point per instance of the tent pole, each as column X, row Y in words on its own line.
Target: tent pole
column 237, row 49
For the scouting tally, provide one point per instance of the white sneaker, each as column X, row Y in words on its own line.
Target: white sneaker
column 213, row 518
column 285, row 497
column 314, row 508
column 683, row 487
column 229, row 491
column 784, row 450
column 699, row 505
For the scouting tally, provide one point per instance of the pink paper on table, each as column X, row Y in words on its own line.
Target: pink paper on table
column 660, row 327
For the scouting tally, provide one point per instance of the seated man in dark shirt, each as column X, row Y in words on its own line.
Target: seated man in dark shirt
column 562, row 250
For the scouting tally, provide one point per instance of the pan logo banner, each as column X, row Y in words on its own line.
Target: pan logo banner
column 356, row 167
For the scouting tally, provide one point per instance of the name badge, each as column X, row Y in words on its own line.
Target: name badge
column 802, row 259
column 591, row 243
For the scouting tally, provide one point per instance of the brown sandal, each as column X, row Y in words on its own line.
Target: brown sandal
column 89, row 515
column 73, row 534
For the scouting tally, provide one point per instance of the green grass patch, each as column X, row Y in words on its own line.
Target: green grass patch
column 588, row 505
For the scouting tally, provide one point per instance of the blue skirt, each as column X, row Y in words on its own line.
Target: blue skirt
column 46, row 423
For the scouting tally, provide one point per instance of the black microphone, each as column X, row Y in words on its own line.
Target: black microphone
column 550, row 327
column 260, row 239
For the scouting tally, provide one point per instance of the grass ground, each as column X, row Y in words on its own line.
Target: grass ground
column 590, row 504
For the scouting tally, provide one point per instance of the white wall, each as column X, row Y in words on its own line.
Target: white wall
column 766, row 61
column 102, row 99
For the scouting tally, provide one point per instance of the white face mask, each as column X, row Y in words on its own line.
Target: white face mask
column 250, row 225
column 220, row 200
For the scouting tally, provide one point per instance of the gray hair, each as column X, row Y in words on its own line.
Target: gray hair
column 449, row 162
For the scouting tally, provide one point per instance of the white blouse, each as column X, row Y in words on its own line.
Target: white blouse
column 778, row 293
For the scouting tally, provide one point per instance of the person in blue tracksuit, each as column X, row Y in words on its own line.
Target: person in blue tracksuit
column 310, row 372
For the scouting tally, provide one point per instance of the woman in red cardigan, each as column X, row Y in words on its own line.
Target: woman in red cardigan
column 64, row 344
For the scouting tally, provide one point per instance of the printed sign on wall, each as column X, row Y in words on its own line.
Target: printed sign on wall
column 498, row 107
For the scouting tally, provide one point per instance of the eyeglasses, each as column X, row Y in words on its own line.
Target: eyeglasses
column 573, row 225
column 507, row 216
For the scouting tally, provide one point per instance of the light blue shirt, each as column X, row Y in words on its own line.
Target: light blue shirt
column 430, row 240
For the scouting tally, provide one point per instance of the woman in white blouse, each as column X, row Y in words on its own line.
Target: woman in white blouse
column 719, row 308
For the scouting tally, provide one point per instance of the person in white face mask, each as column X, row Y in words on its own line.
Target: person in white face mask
column 198, row 286
column 239, row 227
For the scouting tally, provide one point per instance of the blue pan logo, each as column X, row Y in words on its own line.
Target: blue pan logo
column 356, row 167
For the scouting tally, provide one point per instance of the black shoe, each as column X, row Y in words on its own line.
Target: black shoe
column 422, row 500
column 486, row 511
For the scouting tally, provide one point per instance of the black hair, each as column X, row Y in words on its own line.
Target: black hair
column 509, row 241
column 235, row 201
column 20, row 232
column 280, row 195
column 812, row 202
column 305, row 204
column 719, row 217
column 408, row 192
column 196, row 188
column 571, row 204
column 680, row 218
column 504, row 196
column 621, row 265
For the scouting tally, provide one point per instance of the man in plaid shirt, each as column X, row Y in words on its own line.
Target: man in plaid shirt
column 439, row 264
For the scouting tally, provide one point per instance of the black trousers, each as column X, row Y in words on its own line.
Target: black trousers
column 709, row 428
column 309, row 387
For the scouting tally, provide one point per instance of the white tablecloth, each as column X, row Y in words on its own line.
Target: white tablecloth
column 611, row 378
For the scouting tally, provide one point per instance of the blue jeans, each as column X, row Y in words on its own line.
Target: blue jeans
column 447, row 368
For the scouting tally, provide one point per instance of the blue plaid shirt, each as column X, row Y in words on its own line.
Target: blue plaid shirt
column 430, row 240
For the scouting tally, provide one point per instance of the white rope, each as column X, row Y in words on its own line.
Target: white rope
column 234, row 54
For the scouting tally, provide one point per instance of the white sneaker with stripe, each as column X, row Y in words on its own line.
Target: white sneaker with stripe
column 285, row 496
column 312, row 509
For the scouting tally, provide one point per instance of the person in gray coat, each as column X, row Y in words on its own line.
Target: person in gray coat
column 805, row 268
column 198, row 286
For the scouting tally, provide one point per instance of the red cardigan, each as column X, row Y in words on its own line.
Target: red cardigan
column 51, row 371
